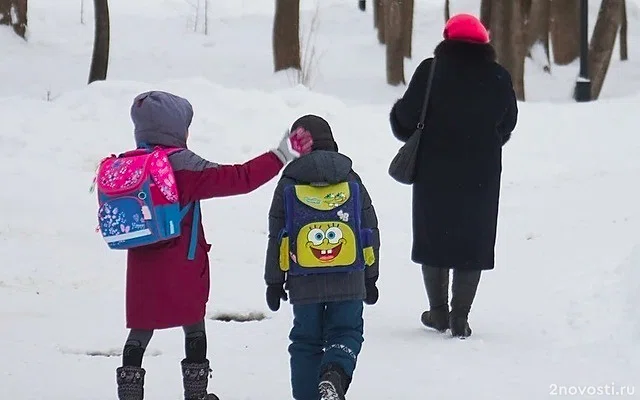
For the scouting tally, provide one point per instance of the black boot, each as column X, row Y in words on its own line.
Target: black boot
column 436, row 318
column 459, row 323
column 465, row 285
column 436, row 282
column 334, row 383
column 195, row 378
column 130, row 382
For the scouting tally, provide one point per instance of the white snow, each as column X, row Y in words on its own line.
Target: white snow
column 558, row 314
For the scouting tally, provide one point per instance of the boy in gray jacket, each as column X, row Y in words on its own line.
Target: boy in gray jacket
column 327, row 333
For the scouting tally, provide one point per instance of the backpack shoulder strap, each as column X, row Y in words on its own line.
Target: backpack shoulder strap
column 194, row 232
column 427, row 95
column 185, row 210
column 356, row 192
column 172, row 150
column 193, row 242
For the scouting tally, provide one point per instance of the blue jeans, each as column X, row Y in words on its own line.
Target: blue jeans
column 323, row 334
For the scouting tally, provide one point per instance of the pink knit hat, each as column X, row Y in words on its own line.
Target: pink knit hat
column 466, row 28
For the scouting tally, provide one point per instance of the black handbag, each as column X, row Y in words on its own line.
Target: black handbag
column 403, row 165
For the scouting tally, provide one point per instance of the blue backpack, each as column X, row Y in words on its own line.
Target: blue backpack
column 323, row 232
column 138, row 200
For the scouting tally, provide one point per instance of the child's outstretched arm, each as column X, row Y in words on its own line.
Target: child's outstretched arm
column 199, row 179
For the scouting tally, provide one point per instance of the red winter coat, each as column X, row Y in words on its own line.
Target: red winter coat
column 164, row 288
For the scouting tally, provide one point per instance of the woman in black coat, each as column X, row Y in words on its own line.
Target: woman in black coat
column 471, row 115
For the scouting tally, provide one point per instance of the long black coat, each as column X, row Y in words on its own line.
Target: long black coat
column 471, row 115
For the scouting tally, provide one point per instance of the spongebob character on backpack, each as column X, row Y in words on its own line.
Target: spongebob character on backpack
column 323, row 248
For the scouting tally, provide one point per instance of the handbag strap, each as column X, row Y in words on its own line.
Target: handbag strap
column 427, row 94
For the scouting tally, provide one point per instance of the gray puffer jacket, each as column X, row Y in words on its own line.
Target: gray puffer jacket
column 319, row 167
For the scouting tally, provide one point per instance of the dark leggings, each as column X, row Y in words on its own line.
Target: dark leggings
column 195, row 345
column 465, row 285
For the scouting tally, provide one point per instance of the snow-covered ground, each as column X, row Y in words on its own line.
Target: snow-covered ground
column 559, row 313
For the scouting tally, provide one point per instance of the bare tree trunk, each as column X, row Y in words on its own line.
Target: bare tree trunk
column 286, row 35
column 379, row 18
column 100, row 58
column 485, row 13
column 565, row 30
column 507, row 21
column 18, row 9
column 394, row 42
column 538, row 29
column 206, row 17
column 447, row 10
column 602, row 42
column 376, row 11
column 407, row 26
column 624, row 50
column 526, row 8
column 195, row 19
column 20, row 25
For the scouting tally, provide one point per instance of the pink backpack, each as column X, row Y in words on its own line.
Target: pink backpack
column 138, row 200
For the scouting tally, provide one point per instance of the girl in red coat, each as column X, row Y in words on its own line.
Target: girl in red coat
column 164, row 288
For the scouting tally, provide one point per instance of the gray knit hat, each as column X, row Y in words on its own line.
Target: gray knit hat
column 161, row 118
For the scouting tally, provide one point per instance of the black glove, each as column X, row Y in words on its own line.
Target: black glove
column 372, row 291
column 274, row 294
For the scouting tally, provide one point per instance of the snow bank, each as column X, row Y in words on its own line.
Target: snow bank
column 155, row 41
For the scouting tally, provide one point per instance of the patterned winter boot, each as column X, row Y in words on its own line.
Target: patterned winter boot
column 333, row 383
column 195, row 378
column 130, row 382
